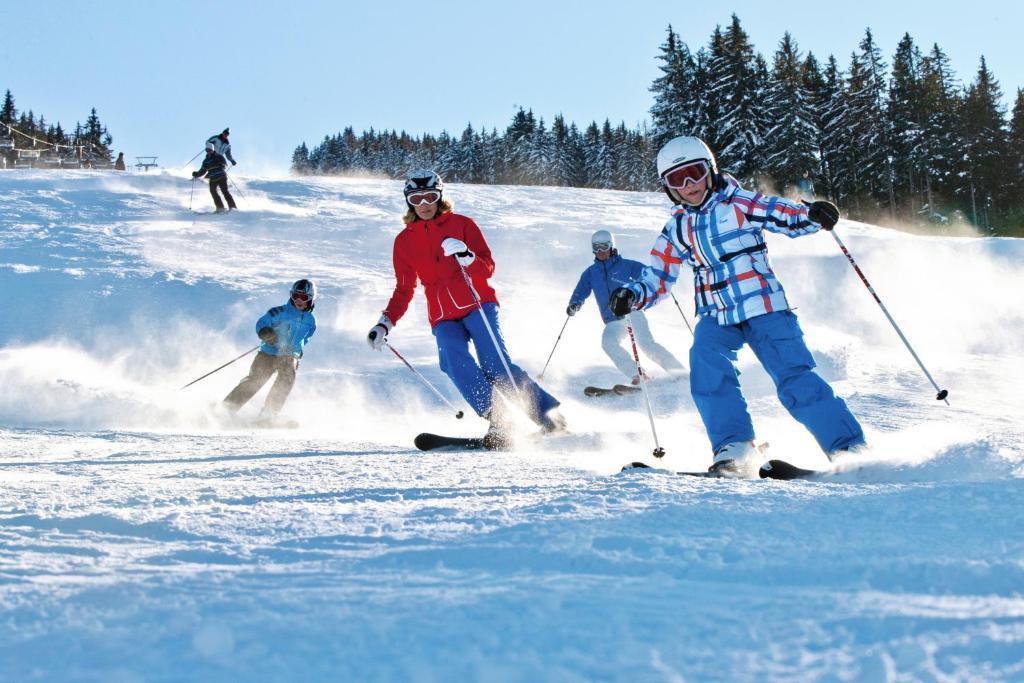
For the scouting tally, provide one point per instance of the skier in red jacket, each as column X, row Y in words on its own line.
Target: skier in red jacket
column 446, row 252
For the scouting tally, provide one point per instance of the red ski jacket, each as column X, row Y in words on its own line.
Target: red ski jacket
column 418, row 256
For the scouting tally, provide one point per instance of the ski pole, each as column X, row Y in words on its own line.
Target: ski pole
column 189, row 162
column 659, row 452
column 458, row 413
column 221, row 367
column 235, row 186
column 688, row 326
column 487, row 324
column 191, row 192
column 541, row 375
column 943, row 393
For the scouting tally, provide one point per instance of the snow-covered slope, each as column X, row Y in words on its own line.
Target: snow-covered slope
column 141, row 541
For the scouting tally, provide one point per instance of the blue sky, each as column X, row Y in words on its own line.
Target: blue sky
column 165, row 75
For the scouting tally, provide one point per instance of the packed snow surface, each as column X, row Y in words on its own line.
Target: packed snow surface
column 142, row 540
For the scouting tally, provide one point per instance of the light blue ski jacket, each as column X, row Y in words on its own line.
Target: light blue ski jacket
column 292, row 327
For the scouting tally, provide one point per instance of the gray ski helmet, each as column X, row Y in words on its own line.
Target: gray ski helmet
column 305, row 287
column 602, row 237
column 423, row 179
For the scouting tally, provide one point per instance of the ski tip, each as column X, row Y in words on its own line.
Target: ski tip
column 784, row 471
column 635, row 466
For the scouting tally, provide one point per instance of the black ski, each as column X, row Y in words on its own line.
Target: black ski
column 430, row 442
column 644, row 466
column 618, row 389
column 782, row 470
column 773, row 469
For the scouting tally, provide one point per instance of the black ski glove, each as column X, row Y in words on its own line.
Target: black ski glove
column 234, row 163
column 571, row 309
column 268, row 335
column 621, row 300
column 195, row 174
column 825, row 214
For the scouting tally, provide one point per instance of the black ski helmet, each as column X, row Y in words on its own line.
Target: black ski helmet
column 306, row 287
column 421, row 179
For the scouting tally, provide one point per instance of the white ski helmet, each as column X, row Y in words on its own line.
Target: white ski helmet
column 602, row 237
column 423, row 179
column 681, row 150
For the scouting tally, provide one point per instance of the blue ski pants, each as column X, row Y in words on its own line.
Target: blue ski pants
column 777, row 341
column 476, row 381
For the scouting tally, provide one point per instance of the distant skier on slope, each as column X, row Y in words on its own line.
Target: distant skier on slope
column 214, row 168
column 441, row 249
column 285, row 331
column 608, row 272
column 717, row 229
column 222, row 146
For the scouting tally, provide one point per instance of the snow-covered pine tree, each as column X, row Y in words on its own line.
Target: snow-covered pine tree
column 711, row 86
column 866, row 175
column 1015, row 154
column 906, row 123
column 818, row 97
column 982, row 125
column 8, row 112
column 940, row 135
column 791, row 143
column 734, row 85
column 674, row 109
column 591, row 148
column 540, row 156
column 516, row 147
column 300, row 160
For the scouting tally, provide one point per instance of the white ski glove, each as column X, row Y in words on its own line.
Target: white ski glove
column 379, row 333
column 458, row 249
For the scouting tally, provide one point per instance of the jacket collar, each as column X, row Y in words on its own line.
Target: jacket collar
column 436, row 220
column 729, row 187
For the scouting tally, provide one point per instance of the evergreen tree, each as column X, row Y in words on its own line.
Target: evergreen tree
column 984, row 136
column 8, row 113
column 791, row 142
column 906, row 121
column 735, row 86
column 540, row 156
column 300, row 160
column 673, row 111
column 591, row 147
column 866, row 171
column 711, row 88
column 1015, row 151
column 940, row 138
column 818, row 97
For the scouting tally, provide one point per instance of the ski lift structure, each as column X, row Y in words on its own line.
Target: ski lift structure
column 146, row 163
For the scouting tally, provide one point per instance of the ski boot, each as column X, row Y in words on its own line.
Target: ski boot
column 738, row 460
column 552, row 422
column 499, row 433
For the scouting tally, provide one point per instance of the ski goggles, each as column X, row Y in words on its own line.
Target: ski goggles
column 425, row 197
column 601, row 246
column 300, row 296
column 692, row 173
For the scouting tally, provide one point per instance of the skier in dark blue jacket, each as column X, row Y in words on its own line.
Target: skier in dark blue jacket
column 284, row 330
column 214, row 168
column 608, row 272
